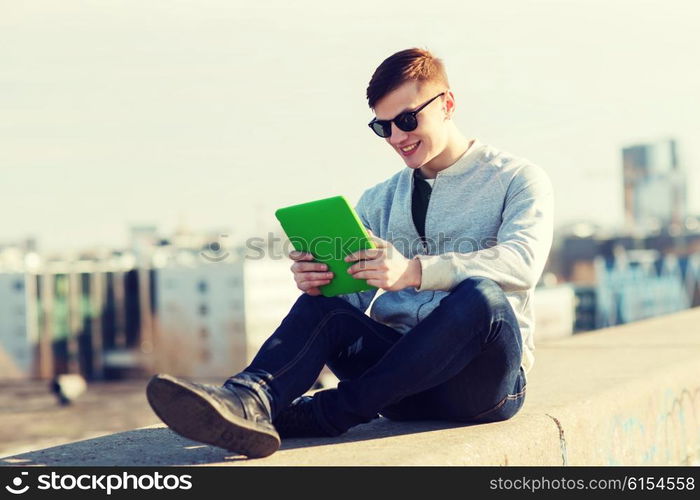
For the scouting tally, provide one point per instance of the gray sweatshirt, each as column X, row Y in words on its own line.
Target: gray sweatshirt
column 490, row 214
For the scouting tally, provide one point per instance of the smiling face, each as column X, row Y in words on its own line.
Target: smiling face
column 423, row 145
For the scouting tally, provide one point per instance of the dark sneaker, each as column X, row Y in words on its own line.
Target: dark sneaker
column 231, row 417
column 298, row 420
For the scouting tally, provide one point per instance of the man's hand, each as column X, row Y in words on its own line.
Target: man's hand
column 385, row 267
column 309, row 275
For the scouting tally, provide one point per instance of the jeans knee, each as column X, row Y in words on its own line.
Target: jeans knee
column 310, row 311
column 319, row 303
column 483, row 291
column 506, row 410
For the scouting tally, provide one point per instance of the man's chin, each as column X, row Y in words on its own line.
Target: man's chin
column 413, row 163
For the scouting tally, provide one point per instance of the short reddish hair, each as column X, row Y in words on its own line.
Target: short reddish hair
column 404, row 66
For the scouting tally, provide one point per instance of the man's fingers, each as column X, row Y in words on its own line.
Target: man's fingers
column 309, row 289
column 302, row 267
column 367, row 275
column 378, row 242
column 306, row 285
column 370, row 253
column 296, row 255
column 368, row 265
column 315, row 276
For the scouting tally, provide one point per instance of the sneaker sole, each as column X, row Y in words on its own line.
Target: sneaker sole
column 195, row 416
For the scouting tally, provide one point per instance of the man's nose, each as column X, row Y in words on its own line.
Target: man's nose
column 397, row 135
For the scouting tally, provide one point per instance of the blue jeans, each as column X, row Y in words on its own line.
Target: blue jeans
column 461, row 363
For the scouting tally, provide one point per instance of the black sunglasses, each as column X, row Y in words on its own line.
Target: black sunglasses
column 405, row 121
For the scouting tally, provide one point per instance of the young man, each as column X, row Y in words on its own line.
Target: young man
column 462, row 235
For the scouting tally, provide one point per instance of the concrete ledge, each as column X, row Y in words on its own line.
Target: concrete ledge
column 624, row 395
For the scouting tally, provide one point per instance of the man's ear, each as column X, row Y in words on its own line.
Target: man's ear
column 449, row 105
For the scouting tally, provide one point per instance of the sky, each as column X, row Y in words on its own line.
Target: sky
column 212, row 114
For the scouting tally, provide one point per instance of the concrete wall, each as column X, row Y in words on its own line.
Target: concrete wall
column 625, row 395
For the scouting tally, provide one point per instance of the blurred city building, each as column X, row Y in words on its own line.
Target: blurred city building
column 18, row 331
column 198, row 308
column 654, row 187
column 619, row 278
column 651, row 265
column 555, row 311
column 213, row 317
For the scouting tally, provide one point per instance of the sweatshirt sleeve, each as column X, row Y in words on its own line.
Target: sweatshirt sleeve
column 363, row 299
column 523, row 242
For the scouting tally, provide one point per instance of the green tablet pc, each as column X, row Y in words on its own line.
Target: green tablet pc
column 330, row 230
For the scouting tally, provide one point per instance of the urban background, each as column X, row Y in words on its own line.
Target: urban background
column 86, row 317
column 188, row 303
